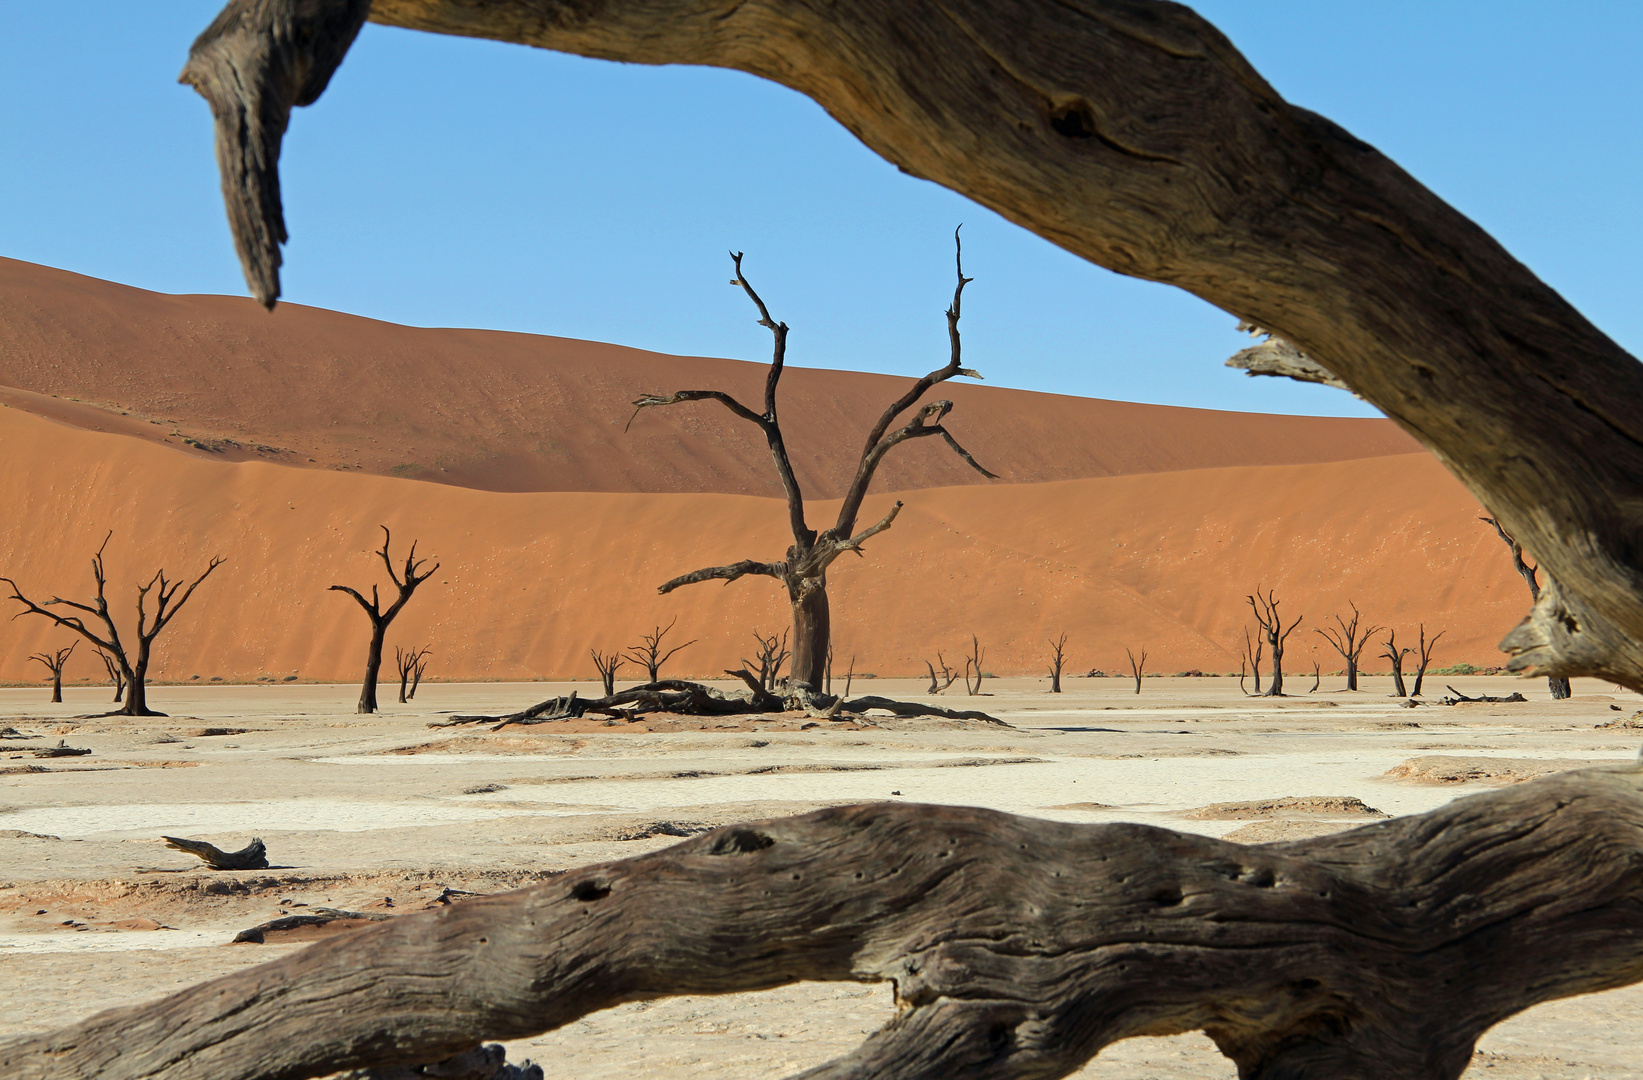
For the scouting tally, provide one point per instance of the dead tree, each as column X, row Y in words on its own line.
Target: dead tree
column 410, row 666
column 804, row 571
column 1137, row 667
column 973, row 661
column 133, row 669
column 771, row 657
column 1426, row 658
column 1251, row 658
column 1317, row 678
column 54, row 662
column 850, row 673
column 1058, row 648
column 1275, row 633
column 406, row 582
column 649, row 654
column 115, row 676
column 1557, row 684
column 1396, row 655
column 607, row 663
column 1349, row 642
column 948, row 675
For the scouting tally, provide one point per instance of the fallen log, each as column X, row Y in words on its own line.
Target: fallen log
column 1455, row 697
column 253, row 856
column 1017, row 947
column 859, row 706
column 322, row 916
column 480, row 1063
column 62, row 749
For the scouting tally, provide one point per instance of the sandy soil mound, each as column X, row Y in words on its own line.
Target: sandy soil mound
column 1483, row 770
column 217, row 377
column 1334, row 806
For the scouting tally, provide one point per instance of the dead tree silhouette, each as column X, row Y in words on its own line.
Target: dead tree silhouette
column 804, row 569
column 1396, row 655
column 973, row 661
column 769, row 660
column 649, row 654
column 1346, row 640
column 54, row 662
column 1137, row 667
column 133, row 668
column 1275, row 633
column 1557, row 684
column 1425, row 652
column 607, row 663
column 410, row 666
column 1058, row 655
column 115, row 675
column 406, row 583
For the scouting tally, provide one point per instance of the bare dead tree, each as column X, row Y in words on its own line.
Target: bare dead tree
column 1317, row 678
column 607, row 663
column 1275, row 633
column 828, row 687
column 771, row 656
column 973, row 661
column 1396, row 655
column 406, row 580
column 850, row 674
column 1557, row 684
column 948, row 675
column 1426, row 658
column 410, row 666
column 1347, row 640
column 1058, row 647
column 1137, row 667
column 54, row 662
column 1252, row 658
column 133, row 669
column 649, row 654
column 804, row 571
column 115, row 675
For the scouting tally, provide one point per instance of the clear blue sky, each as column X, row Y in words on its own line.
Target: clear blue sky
column 448, row 182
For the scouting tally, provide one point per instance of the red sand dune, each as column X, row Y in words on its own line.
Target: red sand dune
column 514, row 412
column 530, row 581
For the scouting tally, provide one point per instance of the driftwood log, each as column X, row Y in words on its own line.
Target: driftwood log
column 1455, row 697
column 1017, row 947
column 253, row 856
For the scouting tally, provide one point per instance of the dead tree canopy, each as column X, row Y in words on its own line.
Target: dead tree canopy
column 405, row 582
column 1346, row 639
column 55, row 662
column 804, row 570
column 1131, row 133
column 649, row 655
column 1018, row 947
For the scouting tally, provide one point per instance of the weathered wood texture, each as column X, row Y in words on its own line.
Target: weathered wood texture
column 1132, row 133
column 253, row 856
column 1018, row 947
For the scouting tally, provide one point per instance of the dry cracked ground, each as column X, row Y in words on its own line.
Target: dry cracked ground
column 381, row 815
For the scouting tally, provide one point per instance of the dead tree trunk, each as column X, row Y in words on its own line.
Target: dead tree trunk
column 381, row 617
column 1273, row 629
column 54, row 662
column 1425, row 653
column 1137, row 667
column 133, row 669
column 607, row 663
column 116, row 676
column 973, row 661
column 410, row 666
column 1557, row 684
column 1396, row 655
column 1377, row 953
column 1058, row 653
column 1252, row 657
column 649, row 654
column 804, row 571
column 1347, row 641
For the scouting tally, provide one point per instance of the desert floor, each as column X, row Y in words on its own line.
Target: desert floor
column 383, row 813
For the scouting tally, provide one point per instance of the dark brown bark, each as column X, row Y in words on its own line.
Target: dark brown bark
column 54, row 662
column 607, row 663
column 1137, row 667
column 1058, row 655
column 1396, row 655
column 410, row 666
column 1253, row 650
column 1346, row 640
column 1017, row 947
column 381, row 617
column 804, row 570
column 253, row 856
column 115, row 675
column 972, row 663
column 649, row 654
column 1272, row 628
column 1558, row 685
column 133, row 669
column 1425, row 654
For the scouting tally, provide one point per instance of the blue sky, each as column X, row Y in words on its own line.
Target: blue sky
column 447, row 182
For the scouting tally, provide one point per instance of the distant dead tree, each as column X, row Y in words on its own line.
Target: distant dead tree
column 410, row 665
column 115, row 675
column 1275, row 633
column 133, row 670
column 1396, row 655
column 1251, row 658
column 849, row 674
column 54, row 662
column 947, row 678
column 804, row 570
column 1426, row 658
column 1559, row 686
column 1349, row 642
column 1137, row 667
column 1058, row 655
column 973, row 661
column 771, row 657
column 607, row 663
column 1317, row 678
column 649, row 654
column 406, row 583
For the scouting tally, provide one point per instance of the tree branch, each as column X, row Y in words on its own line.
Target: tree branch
column 649, row 401
column 725, row 573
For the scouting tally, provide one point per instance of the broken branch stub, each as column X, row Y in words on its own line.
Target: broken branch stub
column 1018, row 947
column 253, row 856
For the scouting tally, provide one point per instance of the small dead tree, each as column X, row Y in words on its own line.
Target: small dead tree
column 1275, row 633
column 1251, row 659
column 804, row 570
column 1349, row 641
column 607, row 663
column 973, row 662
column 54, row 662
column 406, row 582
column 1396, row 655
column 772, row 655
column 1559, row 686
column 115, row 675
column 1137, row 667
column 947, row 678
column 1058, row 651
column 649, row 654
column 849, row 674
column 133, row 669
column 1317, row 678
column 1426, row 658
column 410, row 666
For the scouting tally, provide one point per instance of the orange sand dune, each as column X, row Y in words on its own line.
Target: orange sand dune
column 530, row 581
column 514, row 412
